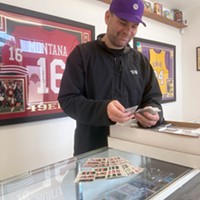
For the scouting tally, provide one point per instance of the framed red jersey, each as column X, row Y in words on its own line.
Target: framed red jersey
column 33, row 50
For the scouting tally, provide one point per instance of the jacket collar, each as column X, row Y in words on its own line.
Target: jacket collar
column 103, row 45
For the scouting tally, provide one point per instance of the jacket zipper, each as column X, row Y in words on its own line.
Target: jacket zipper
column 119, row 72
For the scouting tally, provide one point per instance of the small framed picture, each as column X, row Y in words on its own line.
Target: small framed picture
column 198, row 58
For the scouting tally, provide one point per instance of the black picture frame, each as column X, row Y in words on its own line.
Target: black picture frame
column 162, row 57
column 34, row 47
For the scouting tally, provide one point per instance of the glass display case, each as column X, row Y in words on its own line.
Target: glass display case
column 57, row 181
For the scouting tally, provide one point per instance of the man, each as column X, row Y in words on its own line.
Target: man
column 105, row 76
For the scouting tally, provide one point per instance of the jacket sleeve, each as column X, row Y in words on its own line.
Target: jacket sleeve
column 152, row 95
column 72, row 96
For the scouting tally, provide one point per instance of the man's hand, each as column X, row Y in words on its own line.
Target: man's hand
column 116, row 112
column 147, row 119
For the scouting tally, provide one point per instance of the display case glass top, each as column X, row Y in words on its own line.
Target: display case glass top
column 57, row 181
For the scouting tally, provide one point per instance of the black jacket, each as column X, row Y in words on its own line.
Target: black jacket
column 92, row 78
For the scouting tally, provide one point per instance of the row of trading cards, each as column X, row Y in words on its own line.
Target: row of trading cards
column 106, row 168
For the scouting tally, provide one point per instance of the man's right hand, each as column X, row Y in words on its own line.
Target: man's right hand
column 116, row 112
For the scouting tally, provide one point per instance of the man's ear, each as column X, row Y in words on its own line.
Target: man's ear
column 107, row 16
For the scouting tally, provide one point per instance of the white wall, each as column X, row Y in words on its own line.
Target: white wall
column 190, row 76
column 31, row 145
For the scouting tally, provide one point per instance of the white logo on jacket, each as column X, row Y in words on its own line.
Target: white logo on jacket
column 134, row 71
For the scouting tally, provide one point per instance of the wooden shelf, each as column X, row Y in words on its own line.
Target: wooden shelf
column 164, row 19
column 158, row 18
column 106, row 1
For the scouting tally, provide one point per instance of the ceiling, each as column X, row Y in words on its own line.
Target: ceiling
column 183, row 5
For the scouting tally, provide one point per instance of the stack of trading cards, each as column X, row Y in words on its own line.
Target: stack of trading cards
column 106, row 168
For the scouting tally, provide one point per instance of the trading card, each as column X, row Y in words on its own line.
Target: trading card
column 117, row 160
column 137, row 170
column 131, row 109
column 115, row 172
column 114, row 161
column 103, row 163
column 101, row 172
column 84, row 176
column 122, row 161
column 96, row 162
column 130, row 169
column 151, row 110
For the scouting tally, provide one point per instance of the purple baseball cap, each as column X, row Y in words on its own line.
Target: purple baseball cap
column 130, row 10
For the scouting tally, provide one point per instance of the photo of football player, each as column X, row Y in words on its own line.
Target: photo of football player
column 11, row 95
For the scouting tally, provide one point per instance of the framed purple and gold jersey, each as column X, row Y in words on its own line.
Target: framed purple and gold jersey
column 162, row 58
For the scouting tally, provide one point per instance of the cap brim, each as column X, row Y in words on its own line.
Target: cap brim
column 130, row 18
